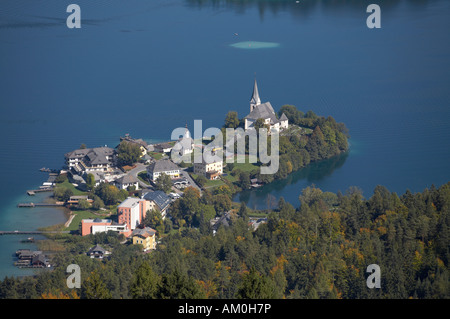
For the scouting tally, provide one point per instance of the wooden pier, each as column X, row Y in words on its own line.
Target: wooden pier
column 19, row 232
column 49, row 170
column 39, row 205
column 40, row 190
column 33, row 232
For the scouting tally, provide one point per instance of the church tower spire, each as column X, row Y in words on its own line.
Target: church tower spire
column 255, row 100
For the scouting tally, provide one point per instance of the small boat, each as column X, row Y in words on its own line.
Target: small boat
column 28, row 240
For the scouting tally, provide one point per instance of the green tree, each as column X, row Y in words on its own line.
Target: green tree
column 94, row 287
column 90, row 181
column 244, row 180
column 97, row 203
column 232, row 120
column 83, row 204
column 243, row 211
column 201, row 180
column 144, row 284
column 255, row 286
column 154, row 220
column 177, row 285
column 61, row 178
column 128, row 153
column 62, row 193
column 109, row 194
column 208, row 212
column 294, row 116
column 222, row 203
column 163, row 183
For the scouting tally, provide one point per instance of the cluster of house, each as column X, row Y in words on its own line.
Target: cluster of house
column 27, row 258
column 130, row 215
column 101, row 162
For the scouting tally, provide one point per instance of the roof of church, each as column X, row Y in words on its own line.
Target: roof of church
column 255, row 96
column 263, row 111
column 283, row 117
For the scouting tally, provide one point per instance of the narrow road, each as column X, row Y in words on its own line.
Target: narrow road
column 135, row 171
column 190, row 180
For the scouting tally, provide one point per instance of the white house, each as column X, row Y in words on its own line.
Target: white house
column 211, row 170
column 99, row 159
column 126, row 181
column 155, row 169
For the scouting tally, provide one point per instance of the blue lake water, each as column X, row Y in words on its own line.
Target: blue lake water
column 146, row 67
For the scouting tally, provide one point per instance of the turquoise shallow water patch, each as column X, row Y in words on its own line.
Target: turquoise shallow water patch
column 251, row 45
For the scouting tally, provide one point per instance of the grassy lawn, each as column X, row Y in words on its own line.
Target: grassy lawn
column 209, row 183
column 83, row 214
column 69, row 185
column 157, row 156
column 213, row 183
column 245, row 167
column 230, row 178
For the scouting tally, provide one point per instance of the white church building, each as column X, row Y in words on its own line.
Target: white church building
column 264, row 111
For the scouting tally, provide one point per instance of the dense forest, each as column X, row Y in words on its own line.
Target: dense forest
column 319, row 250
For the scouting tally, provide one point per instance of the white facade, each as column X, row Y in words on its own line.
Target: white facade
column 157, row 168
column 133, row 209
column 105, row 228
column 172, row 174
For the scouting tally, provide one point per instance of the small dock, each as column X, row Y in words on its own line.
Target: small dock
column 49, row 170
column 19, row 232
column 40, row 205
column 31, row 232
column 33, row 192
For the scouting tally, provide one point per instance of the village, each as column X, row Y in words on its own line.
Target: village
column 147, row 180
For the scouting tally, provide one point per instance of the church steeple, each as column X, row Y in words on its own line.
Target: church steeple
column 255, row 100
column 187, row 134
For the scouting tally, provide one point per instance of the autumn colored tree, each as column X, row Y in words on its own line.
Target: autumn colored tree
column 94, row 287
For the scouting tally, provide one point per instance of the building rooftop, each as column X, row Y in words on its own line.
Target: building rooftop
column 145, row 232
column 162, row 166
column 130, row 202
column 263, row 111
column 96, row 220
column 97, row 155
column 97, row 249
column 283, row 117
column 127, row 179
column 161, row 199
